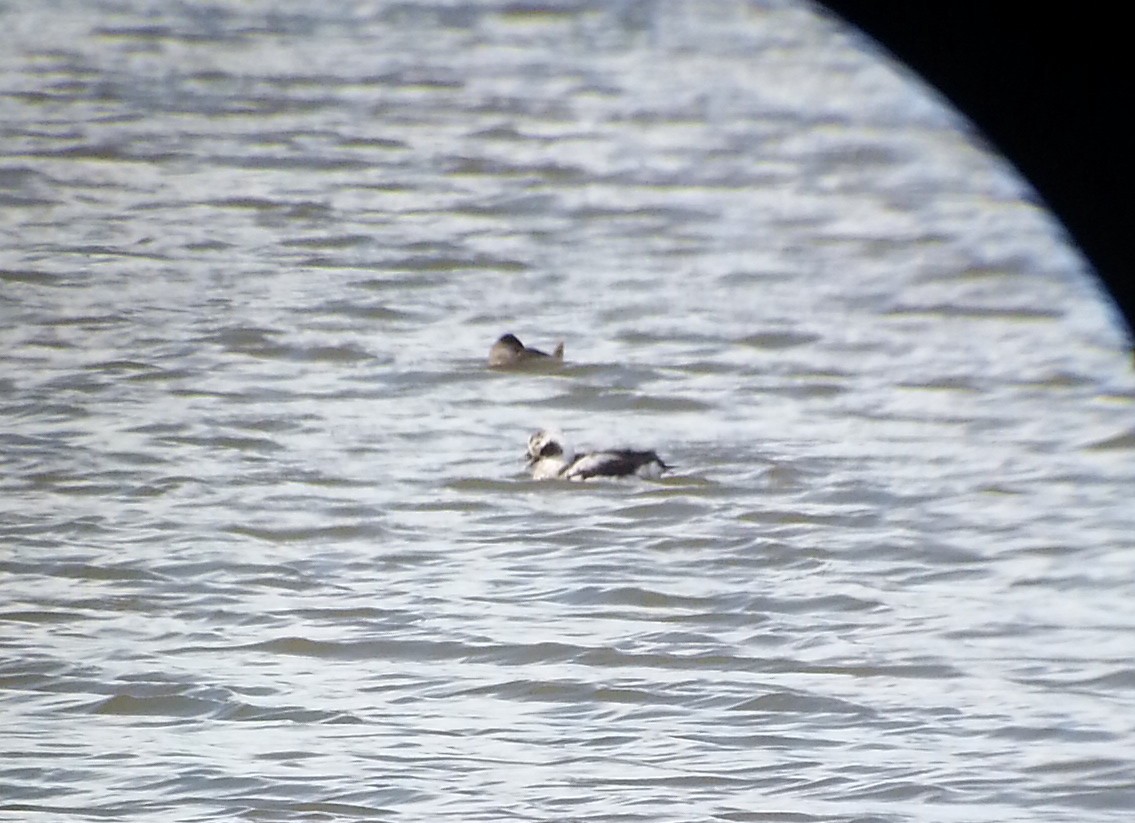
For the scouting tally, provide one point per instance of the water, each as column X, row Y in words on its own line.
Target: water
column 269, row 552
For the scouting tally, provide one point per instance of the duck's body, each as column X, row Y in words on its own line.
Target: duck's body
column 548, row 459
column 509, row 351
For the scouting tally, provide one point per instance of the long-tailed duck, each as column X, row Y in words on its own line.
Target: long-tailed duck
column 549, row 458
column 509, row 351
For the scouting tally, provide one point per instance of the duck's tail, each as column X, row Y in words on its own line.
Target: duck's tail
column 558, row 351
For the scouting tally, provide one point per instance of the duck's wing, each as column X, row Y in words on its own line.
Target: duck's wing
column 615, row 463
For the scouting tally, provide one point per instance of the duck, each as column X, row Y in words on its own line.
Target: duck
column 509, row 351
column 549, row 458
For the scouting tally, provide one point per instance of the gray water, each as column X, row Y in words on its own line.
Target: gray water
column 269, row 551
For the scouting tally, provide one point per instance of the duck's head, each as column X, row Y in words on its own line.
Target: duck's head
column 506, row 350
column 545, row 443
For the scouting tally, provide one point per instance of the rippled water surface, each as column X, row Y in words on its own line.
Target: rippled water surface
column 269, row 551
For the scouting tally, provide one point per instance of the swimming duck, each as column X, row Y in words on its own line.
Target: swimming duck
column 549, row 458
column 509, row 351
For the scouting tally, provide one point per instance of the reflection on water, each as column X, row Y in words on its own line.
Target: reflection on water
column 269, row 546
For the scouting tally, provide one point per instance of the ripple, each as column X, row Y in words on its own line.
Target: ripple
column 342, row 531
column 1122, row 441
column 978, row 312
column 798, row 702
column 174, row 706
column 775, row 340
